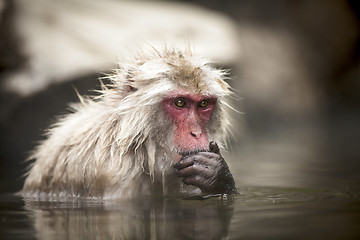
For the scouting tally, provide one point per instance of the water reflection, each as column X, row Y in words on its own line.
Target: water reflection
column 257, row 213
column 138, row 219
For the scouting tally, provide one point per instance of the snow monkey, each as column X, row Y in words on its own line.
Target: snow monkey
column 155, row 130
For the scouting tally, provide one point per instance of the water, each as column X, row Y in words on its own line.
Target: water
column 257, row 213
column 291, row 185
column 286, row 192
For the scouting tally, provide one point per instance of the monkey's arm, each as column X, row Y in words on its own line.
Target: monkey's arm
column 208, row 171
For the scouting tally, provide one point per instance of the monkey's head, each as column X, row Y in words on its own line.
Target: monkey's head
column 174, row 99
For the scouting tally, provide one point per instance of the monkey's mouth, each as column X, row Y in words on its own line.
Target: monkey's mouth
column 181, row 154
column 186, row 153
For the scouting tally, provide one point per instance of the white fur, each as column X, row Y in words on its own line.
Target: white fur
column 112, row 146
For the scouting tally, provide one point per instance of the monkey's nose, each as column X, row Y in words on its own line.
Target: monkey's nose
column 195, row 134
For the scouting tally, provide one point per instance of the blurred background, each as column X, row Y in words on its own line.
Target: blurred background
column 295, row 67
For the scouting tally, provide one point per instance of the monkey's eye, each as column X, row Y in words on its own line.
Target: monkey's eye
column 204, row 104
column 179, row 103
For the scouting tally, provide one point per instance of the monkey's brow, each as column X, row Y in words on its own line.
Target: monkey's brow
column 193, row 99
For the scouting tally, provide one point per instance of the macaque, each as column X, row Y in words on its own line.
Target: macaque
column 156, row 129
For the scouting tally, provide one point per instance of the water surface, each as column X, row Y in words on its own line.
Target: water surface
column 257, row 213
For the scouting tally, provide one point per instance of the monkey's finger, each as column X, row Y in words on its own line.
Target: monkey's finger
column 183, row 163
column 209, row 159
column 213, row 146
column 196, row 170
column 191, row 159
column 197, row 181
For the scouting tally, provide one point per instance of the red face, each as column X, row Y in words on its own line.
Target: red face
column 190, row 113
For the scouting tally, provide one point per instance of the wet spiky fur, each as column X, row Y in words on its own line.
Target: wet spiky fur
column 116, row 145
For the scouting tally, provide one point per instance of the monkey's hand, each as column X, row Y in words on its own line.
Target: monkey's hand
column 207, row 170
